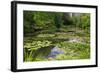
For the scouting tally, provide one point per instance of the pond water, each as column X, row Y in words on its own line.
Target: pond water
column 55, row 51
column 75, row 40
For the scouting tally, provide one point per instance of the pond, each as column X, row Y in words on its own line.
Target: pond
column 56, row 46
column 55, row 51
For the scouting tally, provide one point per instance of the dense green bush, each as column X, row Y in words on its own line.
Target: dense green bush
column 51, row 20
column 85, row 22
column 28, row 22
column 82, row 21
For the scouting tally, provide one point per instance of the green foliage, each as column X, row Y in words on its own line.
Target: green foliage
column 51, row 20
column 67, row 19
column 82, row 21
column 51, row 29
column 32, row 47
column 85, row 21
column 28, row 22
column 58, row 20
column 71, row 50
column 74, row 51
column 42, row 19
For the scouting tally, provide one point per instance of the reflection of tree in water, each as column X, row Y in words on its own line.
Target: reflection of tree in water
column 48, row 52
column 55, row 51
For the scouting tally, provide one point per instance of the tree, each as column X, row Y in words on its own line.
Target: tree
column 28, row 22
column 85, row 22
column 58, row 20
column 67, row 18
